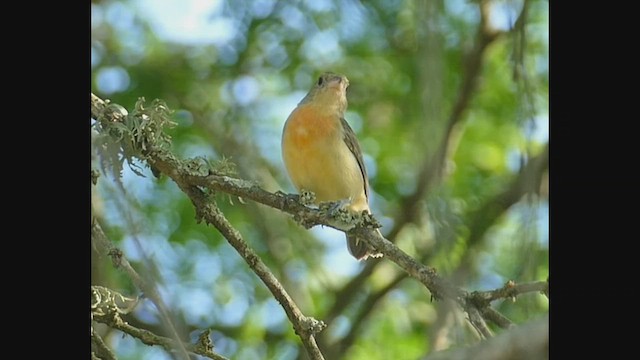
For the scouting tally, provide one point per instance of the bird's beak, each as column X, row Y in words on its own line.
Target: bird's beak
column 338, row 83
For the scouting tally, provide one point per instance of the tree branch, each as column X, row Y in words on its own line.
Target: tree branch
column 106, row 248
column 439, row 287
column 481, row 298
column 105, row 310
column 99, row 349
column 495, row 317
column 310, row 217
column 478, row 323
column 526, row 342
column 510, row 290
column 305, row 327
column 192, row 182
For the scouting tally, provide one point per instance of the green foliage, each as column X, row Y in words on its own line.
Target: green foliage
column 406, row 62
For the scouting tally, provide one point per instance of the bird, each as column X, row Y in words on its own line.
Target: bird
column 321, row 153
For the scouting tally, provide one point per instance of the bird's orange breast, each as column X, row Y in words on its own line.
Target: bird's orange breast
column 317, row 159
column 306, row 126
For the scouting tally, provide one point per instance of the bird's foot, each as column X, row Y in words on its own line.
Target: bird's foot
column 338, row 210
column 367, row 220
column 307, row 197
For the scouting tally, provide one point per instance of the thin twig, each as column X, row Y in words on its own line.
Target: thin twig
column 113, row 320
column 99, row 348
column 478, row 323
column 526, row 342
column 106, row 247
column 510, row 290
column 495, row 317
column 482, row 298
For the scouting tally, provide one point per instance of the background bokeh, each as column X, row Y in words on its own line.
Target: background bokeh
column 233, row 70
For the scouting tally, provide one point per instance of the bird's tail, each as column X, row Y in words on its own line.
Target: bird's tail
column 360, row 249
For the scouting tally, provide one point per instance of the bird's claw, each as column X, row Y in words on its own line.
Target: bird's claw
column 307, row 197
column 338, row 210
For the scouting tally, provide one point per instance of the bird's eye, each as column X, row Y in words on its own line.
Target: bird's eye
column 320, row 81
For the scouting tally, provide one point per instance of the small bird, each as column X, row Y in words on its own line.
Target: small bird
column 322, row 155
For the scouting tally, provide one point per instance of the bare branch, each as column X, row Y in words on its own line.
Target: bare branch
column 439, row 287
column 99, row 349
column 106, row 248
column 511, row 290
column 107, row 312
column 191, row 184
column 477, row 321
column 526, row 342
column 495, row 317
column 481, row 298
column 305, row 327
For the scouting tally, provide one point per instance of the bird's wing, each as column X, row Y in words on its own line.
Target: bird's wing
column 352, row 143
